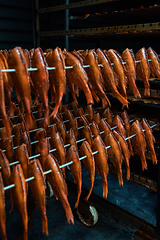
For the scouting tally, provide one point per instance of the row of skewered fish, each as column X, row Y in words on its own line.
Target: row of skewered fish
column 94, row 80
column 96, row 135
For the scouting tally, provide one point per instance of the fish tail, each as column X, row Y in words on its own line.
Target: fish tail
column 7, row 126
column 146, row 88
column 128, row 173
column 105, row 189
column 3, row 231
column 25, row 235
column 45, row 225
column 46, row 118
column 90, row 191
column 143, row 160
column 154, row 157
column 29, row 121
column 130, row 147
column 120, row 179
column 121, row 99
column 78, row 194
column 136, row 92
column 105, row 102
column 69, row 215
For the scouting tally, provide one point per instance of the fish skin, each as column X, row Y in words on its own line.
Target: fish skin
column 16, row 131
column 8, row 86
column 2, row 210
column 78, row 76
column 101, row 162
column 139, row 142
column 21, row 155
column 41, row 133
column 142, row 69
column 104, row 126
column 37, row 187
column 130, row 71
column 75, row 168
column 86, row 133
column 118, row 125
column 109, row 76
column 57, row 77
column 3, row 113
column 154, row 64
column 114, row 154
column 126, row 121
column 96, row 118
column 95, row 77
column 115, row 58
column 56, row 142
column 71, row 121
column 70, row 139
column 108, row 115
column 25, row 138
column 78, row 112
column 42, row 148
column 40, row 80
column 62, row 130
column 6, row 173
column 149, row 139
column 95, row 129
column 59, row 186
column 125, row 151
column 89, row 110
column 7, row 144
column 89, row 163
column 82, row 121
column 20, row 79
column 20, row 197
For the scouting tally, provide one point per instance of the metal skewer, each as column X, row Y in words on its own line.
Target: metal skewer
column 66, row 67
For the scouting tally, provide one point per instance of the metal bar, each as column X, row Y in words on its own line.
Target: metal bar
column 72, row 5
column 105, row 30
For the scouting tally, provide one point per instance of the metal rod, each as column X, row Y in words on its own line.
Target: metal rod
column 66, row 67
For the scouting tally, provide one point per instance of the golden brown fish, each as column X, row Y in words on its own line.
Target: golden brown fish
column 104, row 128
column 89, row 163
column 21, row 81
column 126, row 122
column 77, row 76
column 7, row 144
column 95, row 77
column 125, row 151
column 96, row 118
column 56, row 142
column 114, row 154
column 25, row 138
column 41, row 81
column 75, row 168
column 82, row 121
column 90, row 111
column 95, row 129
column 70, row 121
column 108, row 116
column 70, row 139
column 8, row 86
column 117, row 124
column 42, row 148
column 2, row 210
column 87, row 135
column 130, row 70
column 62, row 130
column 6, row 173
column 21, row 155
column 138, row 142
column 40, row 134
column 59, row 185
column 115, row 58
column 57, row 77
column 20, row 197
column 37, row 186
column 149, row 139
column 108, row 76
column 101, row 162
column 142, row 69
column 154, row 63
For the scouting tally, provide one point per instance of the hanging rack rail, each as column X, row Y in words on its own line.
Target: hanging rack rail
column 66, row 67
column 69, row 163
